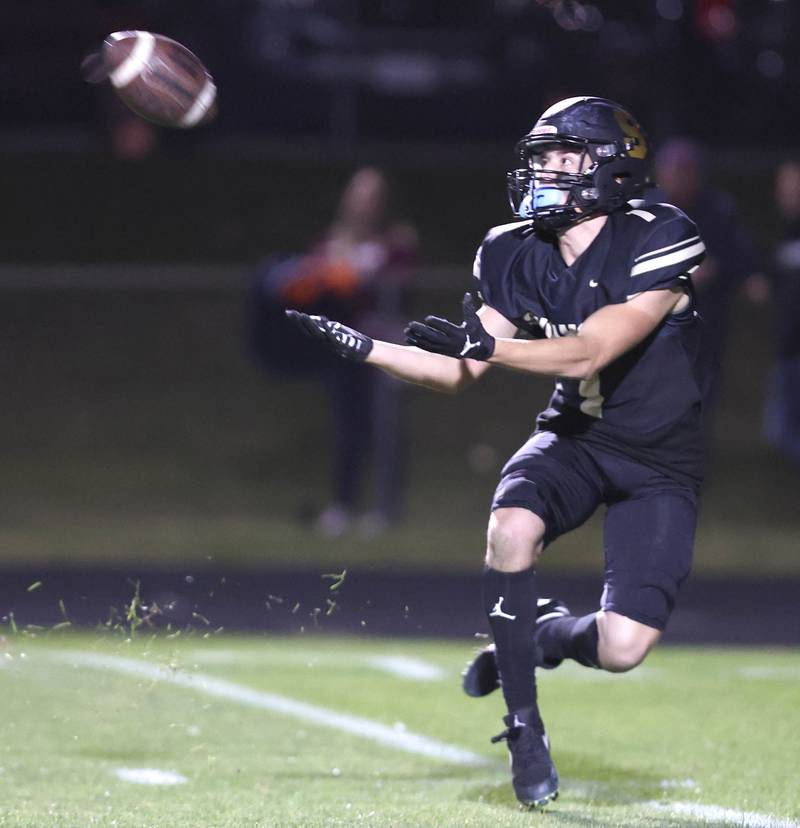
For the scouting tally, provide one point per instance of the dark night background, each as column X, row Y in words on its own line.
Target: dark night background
column 138, row 434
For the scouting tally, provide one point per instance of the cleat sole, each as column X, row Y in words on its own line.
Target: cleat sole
column 542, row 802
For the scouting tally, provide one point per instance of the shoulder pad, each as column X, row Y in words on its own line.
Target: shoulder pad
column 517, row 229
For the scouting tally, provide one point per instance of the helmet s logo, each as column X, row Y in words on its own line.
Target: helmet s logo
column 633, row 134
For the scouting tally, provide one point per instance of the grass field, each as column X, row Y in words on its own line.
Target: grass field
column 315, row 731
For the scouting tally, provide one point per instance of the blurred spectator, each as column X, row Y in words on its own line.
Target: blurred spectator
column 130, row 137
column 731, row 260
column 358, row 272
column 782, row 410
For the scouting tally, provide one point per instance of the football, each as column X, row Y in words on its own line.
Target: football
column 156, row 77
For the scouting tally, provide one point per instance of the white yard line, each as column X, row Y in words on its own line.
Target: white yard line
column 414, row 669
column 308, row 658
column 149, row 776
column 308, row 713
column 717, row 814
column 770, row 672
column 402, row 666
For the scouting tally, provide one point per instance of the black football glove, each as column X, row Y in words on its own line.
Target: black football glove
column 344, row 341
column 469, row 340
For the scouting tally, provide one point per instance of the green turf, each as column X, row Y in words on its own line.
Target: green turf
column 699, row 726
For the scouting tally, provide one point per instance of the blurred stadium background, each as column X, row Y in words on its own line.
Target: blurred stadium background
column 137, row 431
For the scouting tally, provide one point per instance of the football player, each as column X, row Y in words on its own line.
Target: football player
column 599, row 287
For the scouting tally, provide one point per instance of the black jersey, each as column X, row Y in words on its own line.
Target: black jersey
column 647, row 403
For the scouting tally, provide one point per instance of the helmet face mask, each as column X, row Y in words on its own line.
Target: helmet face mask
column 539, row 191
column 612, row 168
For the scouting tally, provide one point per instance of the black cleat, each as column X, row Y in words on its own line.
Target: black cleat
column 533, row 774
column 481, row 678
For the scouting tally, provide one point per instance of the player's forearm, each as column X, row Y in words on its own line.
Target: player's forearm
column 568, row 356
column 440, row 373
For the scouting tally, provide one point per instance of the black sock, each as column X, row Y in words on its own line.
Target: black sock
column 510, row 602
column 569, row 637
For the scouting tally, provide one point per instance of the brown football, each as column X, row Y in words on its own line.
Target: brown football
column 158, row 78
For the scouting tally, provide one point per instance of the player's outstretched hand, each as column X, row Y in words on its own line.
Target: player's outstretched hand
column 469, row 340
column 346, row 342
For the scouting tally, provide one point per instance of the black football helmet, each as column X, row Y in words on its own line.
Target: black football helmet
column 618, row 170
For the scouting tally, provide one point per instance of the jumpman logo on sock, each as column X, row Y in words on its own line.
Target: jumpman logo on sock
column 498, row 611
